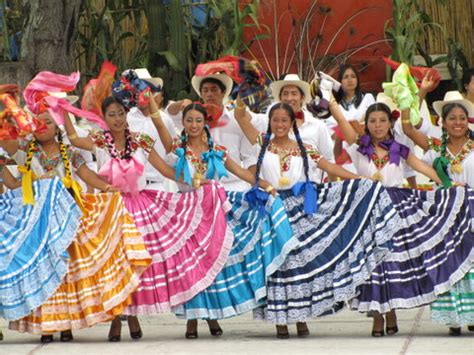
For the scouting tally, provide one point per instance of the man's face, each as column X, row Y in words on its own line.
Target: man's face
column 211, row 94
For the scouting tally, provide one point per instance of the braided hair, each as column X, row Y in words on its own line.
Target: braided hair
column 266, row 140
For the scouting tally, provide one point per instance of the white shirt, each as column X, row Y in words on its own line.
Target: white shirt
column 393, row 175
column 353, row 113
column 238, row 147
column 313, row 131
column 467, row 174
column 140, row 123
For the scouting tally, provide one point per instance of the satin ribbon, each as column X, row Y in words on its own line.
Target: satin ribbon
column 73, row 185
column 215, row 164
column 395, row 149
column 310, row 196
column 182, row 167
column 27, row 185
column 441, row 164
column 257, row 198
column 123, row 174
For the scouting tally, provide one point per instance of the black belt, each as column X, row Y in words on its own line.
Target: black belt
column 148, row 182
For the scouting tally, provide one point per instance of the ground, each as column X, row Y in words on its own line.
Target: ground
column 345, row 333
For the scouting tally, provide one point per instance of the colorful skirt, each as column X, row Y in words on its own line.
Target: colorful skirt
column 107, row 259
column 263, row 239
column 338, row 249
column 189, row 240
column 431, row 251
column 33, row 246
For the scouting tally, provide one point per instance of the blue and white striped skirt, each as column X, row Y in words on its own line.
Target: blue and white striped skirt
column 431, row 251
column 339, row 247
column 33, row 246
column 262, row 242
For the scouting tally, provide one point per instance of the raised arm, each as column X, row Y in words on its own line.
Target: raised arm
column 177, row 106
column 349, row 132
column 247, row 176
column 165, row 136
column 416, row 136
column 243, row 119
column 423, row 168
column 11, row 146
column 80, row 142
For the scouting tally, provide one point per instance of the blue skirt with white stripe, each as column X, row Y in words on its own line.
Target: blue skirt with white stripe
column 33, row 246
column 431, row 252
column 339, row 248
column 262, row 242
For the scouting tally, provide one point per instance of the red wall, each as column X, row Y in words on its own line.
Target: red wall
column 363, row 29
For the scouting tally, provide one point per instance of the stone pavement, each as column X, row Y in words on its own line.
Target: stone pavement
column 345, row 333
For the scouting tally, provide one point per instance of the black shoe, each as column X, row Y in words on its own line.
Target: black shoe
column 115, row 337
column 391, row 330
column 469, row 327
column 1, row 335
column 215, row 330
column 302, row 331
column 45, row 339
column 378, row 333
column 66, row 336
column 282, row 332
column 136, row 334
column 194, row 333
column 454, row 331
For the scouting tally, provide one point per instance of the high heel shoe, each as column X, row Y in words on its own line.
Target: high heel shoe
column 138, row 334
column 114, row 336
column 454, row 332
column 391, row 318
column 1, row 335
column 66, row 336
column 191, row 334
column 282, row 332
column 214, row 328
column 45, row 339
column 376, row 333
column 469, row 327
column 302, row 329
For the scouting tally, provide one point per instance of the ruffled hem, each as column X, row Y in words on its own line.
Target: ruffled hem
column 41, row 260
column 83, row 301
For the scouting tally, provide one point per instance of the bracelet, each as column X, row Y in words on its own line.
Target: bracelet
column 269, row 188
column 407, row 120
column 72, row 136
column 243, row 106
column 155, row 114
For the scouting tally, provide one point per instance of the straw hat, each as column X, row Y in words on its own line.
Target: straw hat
column 144, row 74
column 223, row 78
column 454, row 97
column 291, row 79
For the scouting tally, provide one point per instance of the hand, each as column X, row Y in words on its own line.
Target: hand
column 457, row 183
column 185, row 103
column 110, row 188
column 428, row 83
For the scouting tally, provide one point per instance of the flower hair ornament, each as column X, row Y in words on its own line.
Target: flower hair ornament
column 213, row 114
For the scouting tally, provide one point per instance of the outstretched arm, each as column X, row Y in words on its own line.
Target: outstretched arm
column 92, row 179
column 336, row 170
column 9, row 180
column 159, row 164
column 246, row 175
column 243, row 119
column 422, row 168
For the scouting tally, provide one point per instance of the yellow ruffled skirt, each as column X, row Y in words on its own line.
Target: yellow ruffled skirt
column 107, row 258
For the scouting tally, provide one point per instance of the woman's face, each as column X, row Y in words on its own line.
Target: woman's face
column 456, row 123
column 470, row 87
column 379, row 125
column 50, row 131
column 349, row 80
column 193, row 123
column 280, row 123
column 116, row 117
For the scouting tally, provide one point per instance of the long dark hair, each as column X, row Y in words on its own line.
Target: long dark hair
column 266, row 140
column 444, row 114
column 378, row 107
column 340, row 95
column 109, row 100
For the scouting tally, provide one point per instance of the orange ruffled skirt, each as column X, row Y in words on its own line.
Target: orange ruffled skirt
column 106, row 261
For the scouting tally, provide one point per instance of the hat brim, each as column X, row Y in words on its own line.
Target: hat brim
column 224, row 79
column 155, row 81
column 278, row 85
column 438, row 106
